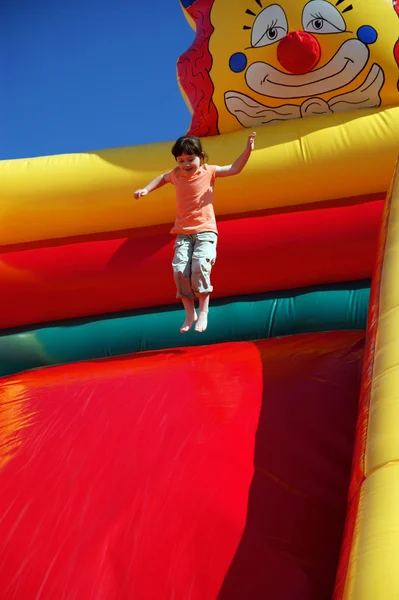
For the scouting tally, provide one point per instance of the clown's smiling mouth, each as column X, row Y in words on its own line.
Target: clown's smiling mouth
column 250, row 112
column 296, row 86
column 344, row 67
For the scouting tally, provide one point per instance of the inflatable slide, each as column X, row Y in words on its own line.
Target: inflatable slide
column 259, row 459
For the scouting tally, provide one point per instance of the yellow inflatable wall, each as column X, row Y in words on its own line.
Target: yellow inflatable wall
column 349, row 53
column 318, row 81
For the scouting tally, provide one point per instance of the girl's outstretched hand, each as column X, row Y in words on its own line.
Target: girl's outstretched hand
column 140, row 193
column 251, row 140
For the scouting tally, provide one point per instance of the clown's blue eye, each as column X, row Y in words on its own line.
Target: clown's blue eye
column 367, row 34
column 238, row 62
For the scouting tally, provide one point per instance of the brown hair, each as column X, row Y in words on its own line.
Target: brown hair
column 189, row 144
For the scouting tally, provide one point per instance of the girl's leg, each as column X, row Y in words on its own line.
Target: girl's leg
column 191, row 315
column 203, row 259
column 202, row 321
column 182, row 274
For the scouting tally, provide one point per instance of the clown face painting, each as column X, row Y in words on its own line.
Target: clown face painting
column 265, row 62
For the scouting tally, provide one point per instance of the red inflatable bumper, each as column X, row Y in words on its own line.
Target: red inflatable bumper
column 256, row 254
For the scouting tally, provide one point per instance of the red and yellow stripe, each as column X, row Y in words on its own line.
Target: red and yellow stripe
column 370, row 555
column 297, row 162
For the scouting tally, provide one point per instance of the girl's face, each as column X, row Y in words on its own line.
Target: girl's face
column 188, row 163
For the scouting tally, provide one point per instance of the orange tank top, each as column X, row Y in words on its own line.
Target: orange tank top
column 194, row 201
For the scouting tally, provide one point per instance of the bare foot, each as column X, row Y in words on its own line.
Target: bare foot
column 188, row 323
column 202, row 322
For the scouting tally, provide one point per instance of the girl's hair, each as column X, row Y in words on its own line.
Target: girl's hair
column 189, row 144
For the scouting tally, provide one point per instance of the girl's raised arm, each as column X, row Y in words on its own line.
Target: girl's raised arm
column 240, row 162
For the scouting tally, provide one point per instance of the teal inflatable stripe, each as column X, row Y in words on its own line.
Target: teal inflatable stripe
column 326, row 308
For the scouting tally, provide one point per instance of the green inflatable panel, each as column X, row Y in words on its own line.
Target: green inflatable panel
column 327, row 308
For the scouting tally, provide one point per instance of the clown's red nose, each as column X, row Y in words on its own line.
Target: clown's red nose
column 298, row 52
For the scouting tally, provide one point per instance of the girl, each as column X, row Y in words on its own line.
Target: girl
column 195, row 226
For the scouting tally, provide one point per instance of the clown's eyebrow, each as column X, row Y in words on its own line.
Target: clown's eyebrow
column 249, row 12
column 350, row 7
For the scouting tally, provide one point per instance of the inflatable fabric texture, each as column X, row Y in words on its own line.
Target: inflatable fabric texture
column 255, row 63
column 222, row 470
column 83, row 277
column 201, row 473
column 331, row 158
column 326, row 308
column 370, row 553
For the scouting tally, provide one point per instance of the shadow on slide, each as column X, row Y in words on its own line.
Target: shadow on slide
column 303, row 454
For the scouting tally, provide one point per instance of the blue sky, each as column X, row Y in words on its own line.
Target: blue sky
column 81, row 75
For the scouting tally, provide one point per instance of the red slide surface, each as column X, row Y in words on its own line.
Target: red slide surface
column 256, row 254
column 201, row 473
